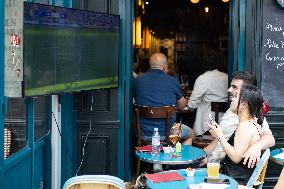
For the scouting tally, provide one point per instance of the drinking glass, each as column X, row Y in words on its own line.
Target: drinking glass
column 213, row 165
column 175, row 136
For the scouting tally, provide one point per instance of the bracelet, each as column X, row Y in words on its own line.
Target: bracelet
column 219, row 139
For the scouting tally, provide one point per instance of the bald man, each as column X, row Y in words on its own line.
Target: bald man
column 155, row 89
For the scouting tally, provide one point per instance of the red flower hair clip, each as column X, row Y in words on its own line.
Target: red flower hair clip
column 265, row 108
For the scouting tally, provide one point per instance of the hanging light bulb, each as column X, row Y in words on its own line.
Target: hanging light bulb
column 225, row 1
column 194, row 1
column 206, row 9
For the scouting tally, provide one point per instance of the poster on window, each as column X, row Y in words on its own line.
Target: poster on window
column 13, row 48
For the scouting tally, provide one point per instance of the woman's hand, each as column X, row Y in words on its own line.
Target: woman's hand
column 215, row 130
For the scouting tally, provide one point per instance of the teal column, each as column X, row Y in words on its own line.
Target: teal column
column 242, row 39
column 2, row 50
column 68, row 138
column 125, row 75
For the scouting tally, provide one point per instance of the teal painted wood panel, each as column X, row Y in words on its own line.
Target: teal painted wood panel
column 18, row 175
column 40, row 165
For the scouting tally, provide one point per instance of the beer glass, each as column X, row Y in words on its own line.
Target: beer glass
column 213, row 165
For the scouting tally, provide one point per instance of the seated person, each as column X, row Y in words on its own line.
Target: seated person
column 155, row 89
column 209, row 87
column 248, row 106
column 230, row 121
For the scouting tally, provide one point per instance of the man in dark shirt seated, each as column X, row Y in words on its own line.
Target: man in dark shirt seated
column 155, row 89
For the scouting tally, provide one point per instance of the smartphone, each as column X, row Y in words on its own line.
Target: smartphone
column 217, row 180
column 210, row 118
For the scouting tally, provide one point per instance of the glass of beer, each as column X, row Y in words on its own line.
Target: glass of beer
column 213, row 165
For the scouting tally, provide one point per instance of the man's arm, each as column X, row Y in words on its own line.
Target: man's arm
column 252, row 155
column 181, row 103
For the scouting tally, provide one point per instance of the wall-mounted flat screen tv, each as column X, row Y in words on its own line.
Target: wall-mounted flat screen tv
column 68, row 50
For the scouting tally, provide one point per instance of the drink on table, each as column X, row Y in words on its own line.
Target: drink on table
column 213, row 165
column 213, row 169
column 156, row 143
column 174, row 138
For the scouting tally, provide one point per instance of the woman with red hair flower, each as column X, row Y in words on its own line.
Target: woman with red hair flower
column 248, row 105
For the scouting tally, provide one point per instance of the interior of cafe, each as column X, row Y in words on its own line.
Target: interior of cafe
column 185, row 31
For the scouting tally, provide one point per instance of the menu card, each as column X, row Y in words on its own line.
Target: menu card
column 164, row 177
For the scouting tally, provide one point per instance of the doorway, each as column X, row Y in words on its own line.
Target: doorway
column 184, row 31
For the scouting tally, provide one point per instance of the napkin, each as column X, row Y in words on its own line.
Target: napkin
column 164, row 177
column 280, row 156
column 145, row 148
column 204, row 185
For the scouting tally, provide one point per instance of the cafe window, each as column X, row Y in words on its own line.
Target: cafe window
column 15, row 129
column 41, row 116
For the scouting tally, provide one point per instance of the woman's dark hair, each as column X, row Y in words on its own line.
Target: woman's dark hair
column 251, row 95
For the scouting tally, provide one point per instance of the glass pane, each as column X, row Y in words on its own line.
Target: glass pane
column 15, row 131
column 41, row 111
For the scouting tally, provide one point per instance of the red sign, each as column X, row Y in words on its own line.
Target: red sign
column 15, row 40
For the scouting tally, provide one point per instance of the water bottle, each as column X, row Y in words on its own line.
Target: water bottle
column 156, row 143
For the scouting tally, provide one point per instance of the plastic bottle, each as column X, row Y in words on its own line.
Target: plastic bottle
column 156, row 143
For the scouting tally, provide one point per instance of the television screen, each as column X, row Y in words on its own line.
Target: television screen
column 69, row 50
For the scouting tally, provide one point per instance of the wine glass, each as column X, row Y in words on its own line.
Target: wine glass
column 175, row 135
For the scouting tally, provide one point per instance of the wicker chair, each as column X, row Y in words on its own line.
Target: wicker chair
column 257, row 177
column 94, row 182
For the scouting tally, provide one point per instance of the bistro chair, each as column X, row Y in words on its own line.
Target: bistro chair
column 164, row 112
column 258, row 175
column 94, row 182
column 218, row 107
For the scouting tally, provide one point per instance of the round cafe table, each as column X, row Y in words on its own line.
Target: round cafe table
column 198, row 178
column 275, row 152
column 188, row 155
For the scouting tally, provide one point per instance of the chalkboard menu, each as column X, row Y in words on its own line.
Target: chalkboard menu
column 272, row 85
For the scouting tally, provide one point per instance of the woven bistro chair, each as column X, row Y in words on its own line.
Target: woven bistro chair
column 94, row 182
column 257, row 178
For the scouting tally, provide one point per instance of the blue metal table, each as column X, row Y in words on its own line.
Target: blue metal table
column 188, row 155
column 274, row 153
column 198, row 177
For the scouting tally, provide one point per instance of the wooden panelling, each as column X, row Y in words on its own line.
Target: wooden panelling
column 104, row 106
column 100, row 152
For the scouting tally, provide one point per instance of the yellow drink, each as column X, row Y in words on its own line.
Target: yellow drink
column 174, row 138
column 213, row 169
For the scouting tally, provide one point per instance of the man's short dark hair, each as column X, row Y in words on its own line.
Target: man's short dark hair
column 247, row 77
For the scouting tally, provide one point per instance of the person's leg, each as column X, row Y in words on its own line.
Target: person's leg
column 187, row 135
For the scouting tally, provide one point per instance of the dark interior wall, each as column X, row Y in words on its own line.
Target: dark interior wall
column 205, row 31
column 202, row 30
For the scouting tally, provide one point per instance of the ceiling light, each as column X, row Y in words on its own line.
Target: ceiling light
column 225, row 1
column 206, row 9
column 194, row 1
column 147, row 2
